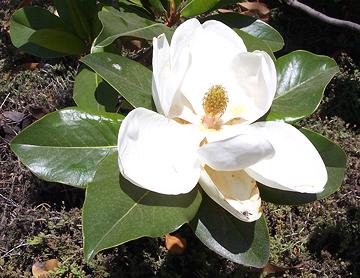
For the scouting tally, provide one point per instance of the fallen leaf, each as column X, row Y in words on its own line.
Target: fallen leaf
column 271, row 268
column 14, row 116
column 176, row 244
column 24, row 3
column 41, row 269
column 30, row 66
column 134, row 44
column 224, row 11
column 257, row 7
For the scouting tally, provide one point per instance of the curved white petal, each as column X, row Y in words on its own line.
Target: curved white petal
column 235, row 153
column 254, row 74
column 157, row 153
column 212, row 49
column 183, row 36
column 170, row 64
column 234, row 191
column 226, row 32
column 296, row 164
column 161, row 69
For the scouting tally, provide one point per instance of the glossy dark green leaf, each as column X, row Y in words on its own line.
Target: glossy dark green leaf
column 302, row 78
column 266, row 33
column 246, row 243
column 59, row 41
column 157, row 5
column 66, row 146
column 74, row 14
column 28, row 20
column 335, row 162
column 116, row 211
column 252, row 26
column 131, row 79
column 92, row 93
column 118, row 24
column 129, row 7
column 252, row 43
column 196, row 7
column 90, row 10
column 223, row 3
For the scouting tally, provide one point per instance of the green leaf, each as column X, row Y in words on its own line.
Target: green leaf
column 223, row 3
column 302, row 78
column 335, row 162
column 25, row 22
column 74, row 15
column 252, row 43
column 58, row 40
column 118, row 24
column 250, row 25
column 157, row 5
column 66, row 146
column 266, row 33
column 129, row 7
column 196, row 7
column 116, row 211
column 136, row 2
column 92, row 93
column 131, row 79
column 241, row 242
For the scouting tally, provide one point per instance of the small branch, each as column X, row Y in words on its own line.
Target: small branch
column 320, row 16
column 8, row 253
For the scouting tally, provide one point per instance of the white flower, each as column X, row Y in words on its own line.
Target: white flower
column 209, row 91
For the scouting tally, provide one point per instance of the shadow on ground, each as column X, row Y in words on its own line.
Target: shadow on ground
column 341, row 240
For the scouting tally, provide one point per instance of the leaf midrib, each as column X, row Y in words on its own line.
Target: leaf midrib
column 104, row 42
column 69, row 147
column 306, row 81
column 119, row 220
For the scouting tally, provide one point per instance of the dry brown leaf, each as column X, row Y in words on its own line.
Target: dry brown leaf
column 41, row 269
column 24, row 3
column 271, row 268
column 30, row 66
column 134, row 44
column 257, row 7
column 224, row 11
column 176, row 244
column 14, row 116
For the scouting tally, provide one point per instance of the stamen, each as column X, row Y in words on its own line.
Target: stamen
column 215, row 101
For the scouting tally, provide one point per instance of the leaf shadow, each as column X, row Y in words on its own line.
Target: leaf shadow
column 222, row 232
column 150, row 198
column 341, row 240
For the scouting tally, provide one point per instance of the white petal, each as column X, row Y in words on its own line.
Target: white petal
column 157, row 153
column 182, row 37
column 235, row 153
column 296, row 164
column 161, row 69
column 234, row 191
column 212, row 48
column 226, row 32
column 172, row 98
column 170, row 65
column 255, row 75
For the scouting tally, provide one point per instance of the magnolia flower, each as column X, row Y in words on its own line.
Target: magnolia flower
column 209, row 92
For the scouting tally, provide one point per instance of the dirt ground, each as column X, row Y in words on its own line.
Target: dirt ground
column 41, row 221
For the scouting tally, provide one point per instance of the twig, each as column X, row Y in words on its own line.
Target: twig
column 9, row 200
column 7, row 254
column 2, row 104
column 320, row 16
